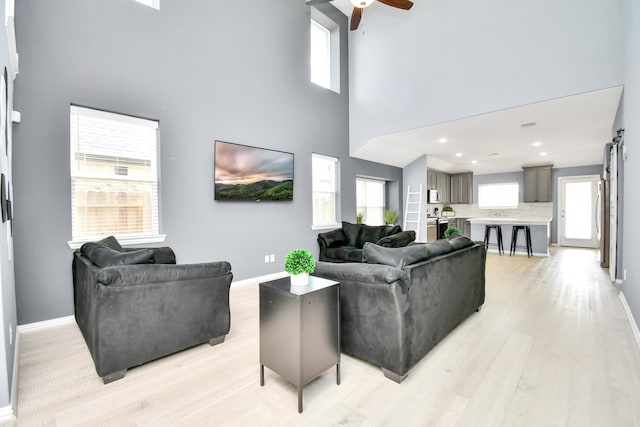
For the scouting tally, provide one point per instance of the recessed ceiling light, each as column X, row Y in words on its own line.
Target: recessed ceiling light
column 458, row 154
column 544, row 153
column 474, row 161
column 537, row 144
column 442, row 140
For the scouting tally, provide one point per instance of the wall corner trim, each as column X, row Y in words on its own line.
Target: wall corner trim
column 632, row 320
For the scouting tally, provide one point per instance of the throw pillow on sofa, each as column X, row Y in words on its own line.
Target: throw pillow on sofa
column 104, row 256
column 400, row 257
column 397, row 240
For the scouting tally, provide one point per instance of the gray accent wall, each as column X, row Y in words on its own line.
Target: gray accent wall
column 631, row 123
column 206, row 71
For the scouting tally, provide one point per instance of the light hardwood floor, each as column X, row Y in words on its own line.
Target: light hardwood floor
column 551, row 347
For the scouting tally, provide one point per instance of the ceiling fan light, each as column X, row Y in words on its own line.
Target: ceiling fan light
column 362, row 3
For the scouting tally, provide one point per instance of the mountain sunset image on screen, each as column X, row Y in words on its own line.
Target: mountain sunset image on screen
column 252, row 173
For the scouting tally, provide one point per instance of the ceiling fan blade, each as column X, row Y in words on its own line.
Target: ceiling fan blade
column 312, row 2
column 400, row 4
column 356, row 16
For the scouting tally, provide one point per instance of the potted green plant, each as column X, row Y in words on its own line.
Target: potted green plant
column 390, row 217
column 359, row 218
column 449, row 211
column 299, row 263
column 449, row 231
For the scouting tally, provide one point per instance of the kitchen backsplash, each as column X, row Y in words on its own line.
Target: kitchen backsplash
column 527, row 210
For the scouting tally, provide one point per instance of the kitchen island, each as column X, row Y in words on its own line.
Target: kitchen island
column 540, row 233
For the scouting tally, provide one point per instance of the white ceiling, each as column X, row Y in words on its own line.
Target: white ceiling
column 571, row 131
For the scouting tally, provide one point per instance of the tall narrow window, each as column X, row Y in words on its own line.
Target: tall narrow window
column 325, row 51
column 325, row 177
column 114, row 175
column 320, row 55
column 370, row 200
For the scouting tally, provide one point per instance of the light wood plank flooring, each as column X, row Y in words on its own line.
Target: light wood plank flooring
column 551, row 347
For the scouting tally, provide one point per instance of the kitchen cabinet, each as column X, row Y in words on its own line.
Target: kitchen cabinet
column 537, row 184
column 461, row 188
column 461, row 224
column 441, row 182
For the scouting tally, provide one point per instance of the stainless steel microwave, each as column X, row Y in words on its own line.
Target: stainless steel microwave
column 433, row 196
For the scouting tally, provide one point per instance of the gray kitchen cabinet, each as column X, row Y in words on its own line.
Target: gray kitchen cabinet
column 443, row 184
column 462, row 188
column 432, row 179
column 537, row 184
column 439, row 181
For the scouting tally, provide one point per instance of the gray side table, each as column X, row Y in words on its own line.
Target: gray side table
column 299, row 330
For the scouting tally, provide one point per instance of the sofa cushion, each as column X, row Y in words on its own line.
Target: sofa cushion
column 351, row 232
column 397, row 240
column 344, row 253
column 459, row 241
column 370, row 233
column 400, row 257
column 131, row 275
column 104, row 256
column 391, row 229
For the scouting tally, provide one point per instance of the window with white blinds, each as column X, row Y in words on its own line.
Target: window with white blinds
column 114, row 175
column 370, row 200
column 325, row 177
column 151, row 3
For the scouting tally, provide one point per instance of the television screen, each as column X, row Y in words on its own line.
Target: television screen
column 252, row 173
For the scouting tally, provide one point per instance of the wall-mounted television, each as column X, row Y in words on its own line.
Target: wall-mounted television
column 251, row 173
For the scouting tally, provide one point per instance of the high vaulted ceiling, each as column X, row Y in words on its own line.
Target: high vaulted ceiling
column 571, row 131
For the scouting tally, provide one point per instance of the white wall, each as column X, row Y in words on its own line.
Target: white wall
column 446, row 60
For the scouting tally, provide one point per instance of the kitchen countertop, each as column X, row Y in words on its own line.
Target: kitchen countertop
column 508, row 220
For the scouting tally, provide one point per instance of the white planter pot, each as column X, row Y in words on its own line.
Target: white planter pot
column 300, row 280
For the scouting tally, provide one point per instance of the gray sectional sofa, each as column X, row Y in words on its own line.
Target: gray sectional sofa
column 399, row 303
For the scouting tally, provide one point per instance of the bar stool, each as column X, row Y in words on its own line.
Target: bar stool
column 514, row 239
column 487, row 235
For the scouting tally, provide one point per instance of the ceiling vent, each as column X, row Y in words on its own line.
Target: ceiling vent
column 528, row 125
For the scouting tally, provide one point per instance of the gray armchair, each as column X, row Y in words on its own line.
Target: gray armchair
column 134, row 306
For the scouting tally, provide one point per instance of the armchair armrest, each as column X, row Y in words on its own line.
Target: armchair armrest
column 142, row 274
column 331, row 238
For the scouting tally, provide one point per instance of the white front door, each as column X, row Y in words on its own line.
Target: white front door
column 577, row 210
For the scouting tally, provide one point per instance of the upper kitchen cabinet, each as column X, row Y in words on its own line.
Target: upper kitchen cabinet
column 441, row 182
column 537, row 184
column 461, row 188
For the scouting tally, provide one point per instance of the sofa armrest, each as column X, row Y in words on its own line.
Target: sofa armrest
column 142, row 274
column 331, row 239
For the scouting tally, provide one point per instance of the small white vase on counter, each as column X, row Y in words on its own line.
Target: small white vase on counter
column 300, row 280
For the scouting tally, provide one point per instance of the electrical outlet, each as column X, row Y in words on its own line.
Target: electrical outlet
column 272, row 258
column 624, row 274
column 266, row 258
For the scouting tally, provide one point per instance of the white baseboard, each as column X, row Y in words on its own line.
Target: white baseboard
column 259, row 279
column 45, row 324
column 632, row 320
column 6, row 413
column 495, row 251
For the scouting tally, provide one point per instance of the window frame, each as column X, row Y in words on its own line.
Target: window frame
column 336, row 186
column 499, row 184
column 125, row 239
column 383, row 183
column 333, row 29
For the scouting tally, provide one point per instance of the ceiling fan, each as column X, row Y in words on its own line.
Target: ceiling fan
column 359, row 5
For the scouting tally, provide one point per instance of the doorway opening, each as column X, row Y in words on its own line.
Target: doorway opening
column 578, row 211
